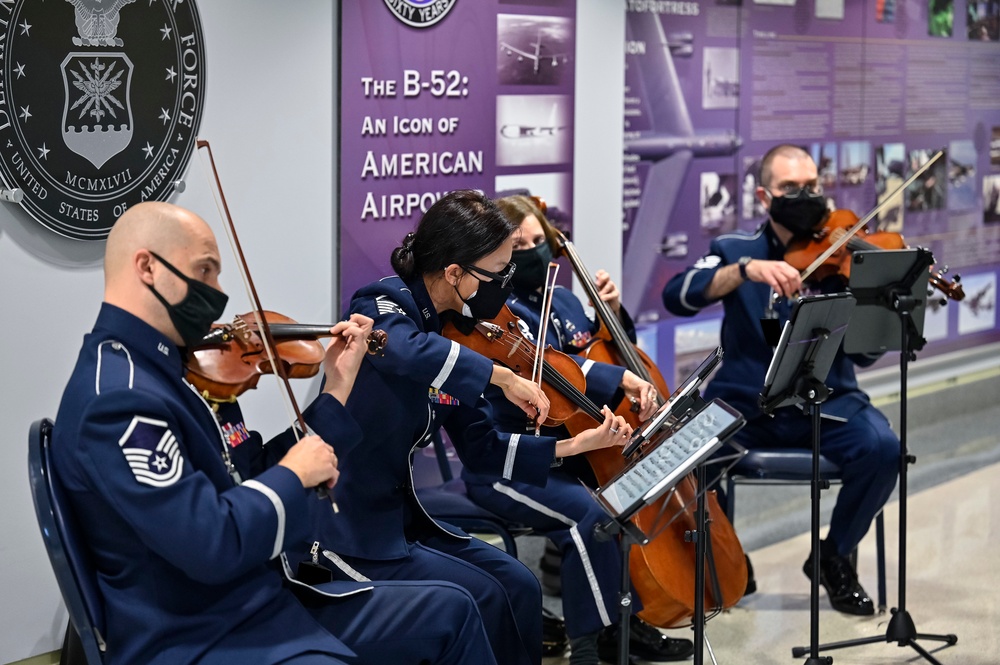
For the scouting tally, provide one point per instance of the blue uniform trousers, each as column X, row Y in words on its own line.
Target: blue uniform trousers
column 436, row 620
column 507, row 593
column 565, row 512
column 864, row 447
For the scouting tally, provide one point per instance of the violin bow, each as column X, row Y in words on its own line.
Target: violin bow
column 604, row 313
column 840, row 242
column 543, row 329
column 262, row 325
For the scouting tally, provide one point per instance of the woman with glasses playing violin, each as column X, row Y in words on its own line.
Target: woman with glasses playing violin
column 563, row 510
column 743, row 270
column 457, row 262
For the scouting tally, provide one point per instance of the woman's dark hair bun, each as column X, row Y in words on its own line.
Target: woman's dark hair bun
column 461, row 227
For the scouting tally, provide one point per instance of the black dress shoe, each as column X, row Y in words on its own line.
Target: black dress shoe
column 838, row 577
column 645, row 643
column 554, row 640
column 751, row 580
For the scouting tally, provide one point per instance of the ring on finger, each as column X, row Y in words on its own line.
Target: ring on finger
column 614, row 430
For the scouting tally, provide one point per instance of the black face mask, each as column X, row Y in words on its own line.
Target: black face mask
column 194, row 315
column 531, row 266
column 800, row 215
column 486, row 301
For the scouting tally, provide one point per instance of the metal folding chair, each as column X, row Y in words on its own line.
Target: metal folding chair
column 67, row 553
column 781, row 466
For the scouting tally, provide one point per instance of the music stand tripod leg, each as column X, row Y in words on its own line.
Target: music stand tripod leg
column 901, row 628
column 622, row 533
column 624, row 599
column 814, row 396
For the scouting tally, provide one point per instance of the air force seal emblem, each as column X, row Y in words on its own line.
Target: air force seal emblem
column 100, row 104
column 151, row 450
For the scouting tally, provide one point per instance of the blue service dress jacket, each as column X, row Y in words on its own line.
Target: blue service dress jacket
column 186, row 557
column 740, row 379
column 420, row 381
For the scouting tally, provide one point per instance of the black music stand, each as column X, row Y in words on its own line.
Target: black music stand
column 679, row 403
column 889, row 288
column 692, row 438
column 797, row 375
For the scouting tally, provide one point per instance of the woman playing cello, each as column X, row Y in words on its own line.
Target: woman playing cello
column 563, row 509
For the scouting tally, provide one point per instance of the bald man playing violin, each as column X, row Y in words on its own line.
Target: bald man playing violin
column 186, row 550
column 743, row 270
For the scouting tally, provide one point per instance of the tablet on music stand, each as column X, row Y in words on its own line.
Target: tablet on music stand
column 808, row 345
column 661, row 466
column 877, row 276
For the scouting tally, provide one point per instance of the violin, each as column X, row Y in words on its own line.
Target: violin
column 828, row 251
column 839, row 232
column 231, row 358
column 662, row 570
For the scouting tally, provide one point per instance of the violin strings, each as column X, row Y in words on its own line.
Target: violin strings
column 558, row 381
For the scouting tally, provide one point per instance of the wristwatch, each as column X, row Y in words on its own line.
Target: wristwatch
column 744, row 260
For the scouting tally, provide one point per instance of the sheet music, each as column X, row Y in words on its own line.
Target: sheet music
column 672, row 459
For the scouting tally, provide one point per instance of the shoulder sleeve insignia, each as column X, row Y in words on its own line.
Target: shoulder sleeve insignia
column 707, row 262
column 152, row 452
column 387, row 306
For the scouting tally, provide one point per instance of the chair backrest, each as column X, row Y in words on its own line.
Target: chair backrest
column 441, row 454
column 67, row 552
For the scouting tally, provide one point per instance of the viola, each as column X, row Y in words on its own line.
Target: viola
column 663, row 570
column 842, row 232
column 563, row 382
column 231, row 358
column 268, row 342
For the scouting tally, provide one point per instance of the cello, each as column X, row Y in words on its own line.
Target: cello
column 663, row 570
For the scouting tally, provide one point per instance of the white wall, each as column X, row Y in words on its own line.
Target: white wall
column 269, row 118
column 598, row 135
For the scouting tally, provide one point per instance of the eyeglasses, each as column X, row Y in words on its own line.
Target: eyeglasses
column 793, row 191
column 503, row 276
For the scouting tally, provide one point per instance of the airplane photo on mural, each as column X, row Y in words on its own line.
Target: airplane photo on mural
column 535, row 50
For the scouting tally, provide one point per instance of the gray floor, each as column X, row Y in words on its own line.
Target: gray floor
column 954, row 431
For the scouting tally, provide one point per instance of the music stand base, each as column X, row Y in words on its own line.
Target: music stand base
column 901, row 630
